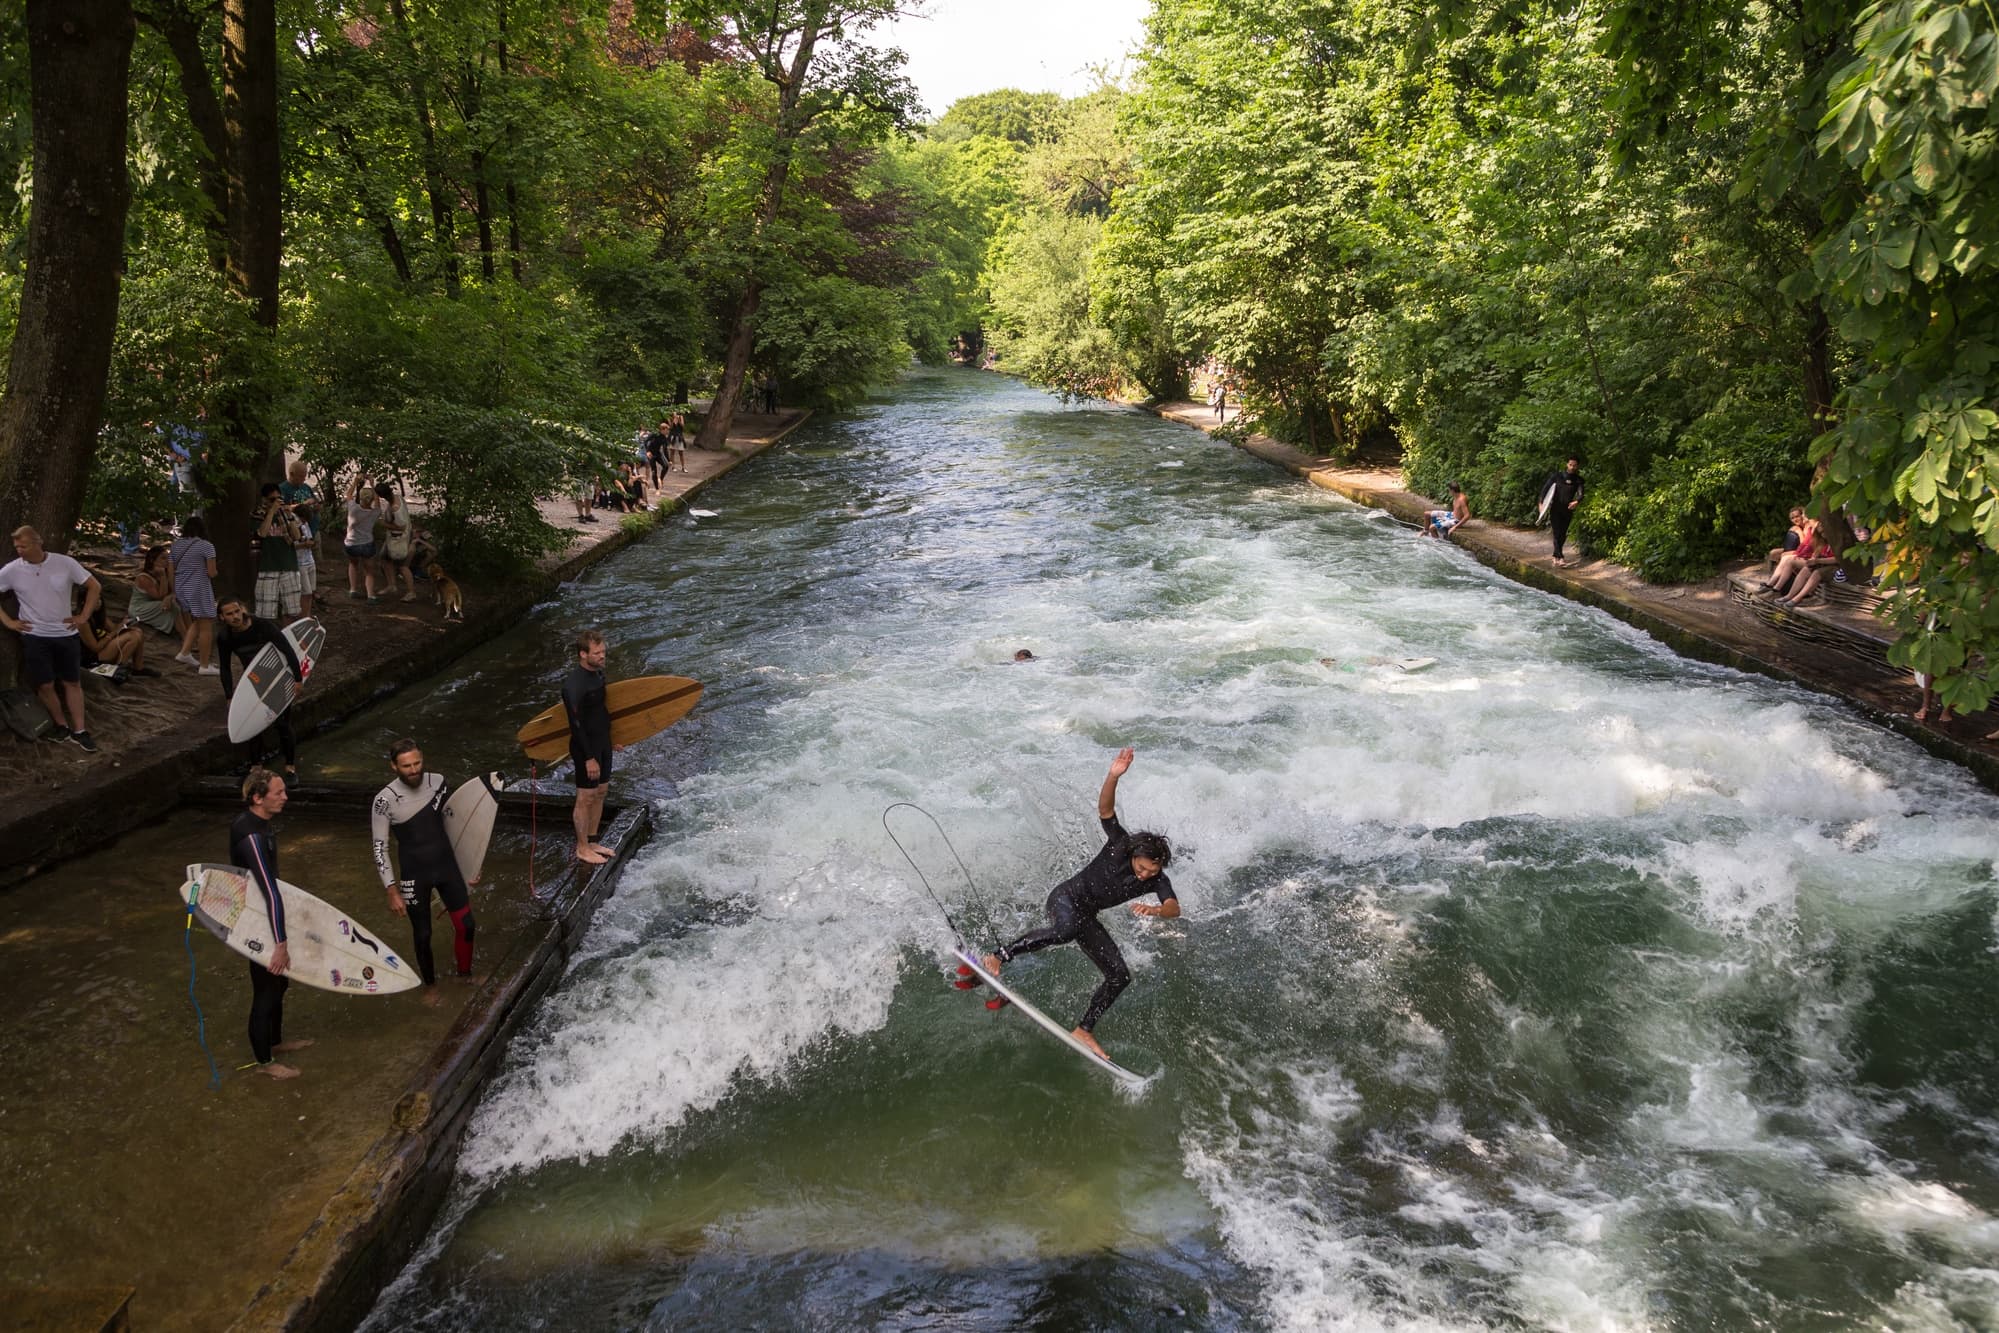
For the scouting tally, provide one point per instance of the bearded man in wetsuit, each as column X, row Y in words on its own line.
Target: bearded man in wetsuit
column 589, row 742
column 253, row 850
column 411, row 808
column 1130, row 864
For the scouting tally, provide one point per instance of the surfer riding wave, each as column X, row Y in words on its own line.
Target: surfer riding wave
column 1129, row 866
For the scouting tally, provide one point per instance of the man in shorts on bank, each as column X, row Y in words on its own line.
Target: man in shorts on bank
column 304, row 502
column 278, row 595
column 43, row 582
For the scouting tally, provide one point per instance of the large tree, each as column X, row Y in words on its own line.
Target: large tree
column 813, row 55
column 80, row 55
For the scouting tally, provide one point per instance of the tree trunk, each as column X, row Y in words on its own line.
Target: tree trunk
column 1818, row 411
column 442, row 232
column 742, row 330
column 181, row 28
column 79, row 67
column 256, row 240
column 80, row 57
column 483, row 204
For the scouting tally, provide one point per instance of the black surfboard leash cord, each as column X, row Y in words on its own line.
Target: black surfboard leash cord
column 978, row 898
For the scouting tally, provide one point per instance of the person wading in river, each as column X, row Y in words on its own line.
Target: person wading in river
column 1130, row 864
column 589, row 742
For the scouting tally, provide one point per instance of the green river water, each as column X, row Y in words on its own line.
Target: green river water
column 1567, row 984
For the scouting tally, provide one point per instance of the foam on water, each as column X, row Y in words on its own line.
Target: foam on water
column 1565, row 984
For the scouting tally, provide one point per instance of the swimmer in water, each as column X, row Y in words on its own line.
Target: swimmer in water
column 1130, row 865
column 1022, row 655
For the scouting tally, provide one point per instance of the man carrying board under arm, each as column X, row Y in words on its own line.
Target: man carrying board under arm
column 589, row 742
column 1129, row 865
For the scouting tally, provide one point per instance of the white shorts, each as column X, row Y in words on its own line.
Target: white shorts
column 308, row 572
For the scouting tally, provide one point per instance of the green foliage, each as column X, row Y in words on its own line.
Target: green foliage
column 1906, row 268
column 1006, row 114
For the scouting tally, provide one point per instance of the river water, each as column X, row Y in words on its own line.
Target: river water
column 1564, row 984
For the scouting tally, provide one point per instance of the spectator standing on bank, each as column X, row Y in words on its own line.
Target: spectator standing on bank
column 152, row 603
column 1218, row 398
column 43, row 583
column 277, row 556
column 676, row 440
column 398, row 540
column 254, row 850
column 362, row 511
column 1568, row 484
column 305, row 509
column 191, row 565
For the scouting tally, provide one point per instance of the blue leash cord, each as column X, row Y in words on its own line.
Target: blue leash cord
column 200, row 1022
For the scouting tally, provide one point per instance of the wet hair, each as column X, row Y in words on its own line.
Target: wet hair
column 401, row 748
column 192, row 526
column 587, row 640
column 1153, row 847
column 1022, row 655
column 1456, row 489
column 257, row 785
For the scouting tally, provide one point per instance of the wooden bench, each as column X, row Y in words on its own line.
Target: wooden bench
column 1841, row 621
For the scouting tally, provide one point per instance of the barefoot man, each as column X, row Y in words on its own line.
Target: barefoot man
column 411, row 808
column 589, row 742
column 255, row 852
column 1130, row 864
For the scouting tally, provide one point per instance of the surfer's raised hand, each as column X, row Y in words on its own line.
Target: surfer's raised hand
column 1122, row 762
column 281, row 961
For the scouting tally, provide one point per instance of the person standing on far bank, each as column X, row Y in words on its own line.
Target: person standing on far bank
column 1568, row 485
column 589, row 742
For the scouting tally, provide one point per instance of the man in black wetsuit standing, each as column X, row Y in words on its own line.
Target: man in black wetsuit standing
column 253, row 850
column 589, row 742
column 1130, row 864
column 243, row 636
column 411, row 808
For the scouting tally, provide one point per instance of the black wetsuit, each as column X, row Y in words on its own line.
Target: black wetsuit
column 243, row 645
column 656, row 457
column 415, row 815
column 589, row 725
column 252, row 850
column 1568, row 489
column 1072, row 915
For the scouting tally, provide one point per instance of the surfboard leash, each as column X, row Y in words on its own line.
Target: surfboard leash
column 200, row 1019
column 977, row 898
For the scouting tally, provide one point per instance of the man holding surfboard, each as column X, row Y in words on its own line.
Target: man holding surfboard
column 1130, row 865
column 590, row 744
column 412, row 808
column 252, row 847
column 243, row 637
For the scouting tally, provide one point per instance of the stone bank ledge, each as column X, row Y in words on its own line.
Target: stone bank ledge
column 40, row 828
column 1697, row 620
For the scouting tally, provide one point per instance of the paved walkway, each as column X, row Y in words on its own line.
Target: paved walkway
column 1702, row 619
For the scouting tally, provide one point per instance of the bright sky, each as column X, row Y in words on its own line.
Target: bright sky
column 963, row 47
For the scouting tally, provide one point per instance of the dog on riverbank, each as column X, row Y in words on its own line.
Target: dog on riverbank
column 446, row 588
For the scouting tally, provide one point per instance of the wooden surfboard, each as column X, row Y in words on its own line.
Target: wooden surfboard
column 640, row 707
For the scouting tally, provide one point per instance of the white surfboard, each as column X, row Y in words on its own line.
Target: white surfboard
column 468, row 819
column 328, row 948
column 267, row 687
column 704, row 513
column 1054, row 1029
column 1547, row 499
column 1415, row 663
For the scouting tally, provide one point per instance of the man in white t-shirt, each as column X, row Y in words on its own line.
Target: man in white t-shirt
column 43, row 581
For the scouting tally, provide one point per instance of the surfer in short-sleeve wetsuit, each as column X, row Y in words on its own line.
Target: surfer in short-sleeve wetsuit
column 243, row 636
column 411, row 808
column 590, row 747
column 253, row 850
column 1129, row 866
